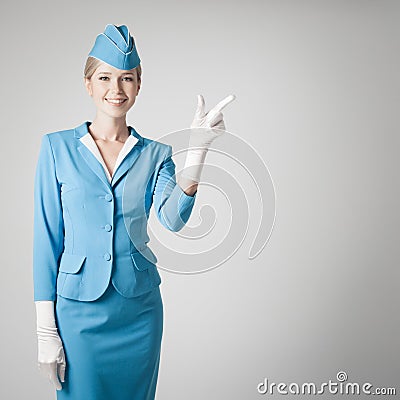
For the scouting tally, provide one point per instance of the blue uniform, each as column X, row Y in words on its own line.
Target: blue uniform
column 91, row 257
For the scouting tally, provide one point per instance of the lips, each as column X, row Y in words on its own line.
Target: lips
column 116, row 102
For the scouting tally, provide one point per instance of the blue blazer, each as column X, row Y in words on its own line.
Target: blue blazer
column 88, row 230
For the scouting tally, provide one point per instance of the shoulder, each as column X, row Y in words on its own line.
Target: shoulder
column 159, row 150
column 162, row 149
column 155, row 143
column 60, row 134
column 56, row 140
column 57, row 137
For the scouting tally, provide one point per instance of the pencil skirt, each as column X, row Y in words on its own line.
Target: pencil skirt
column 112, row 346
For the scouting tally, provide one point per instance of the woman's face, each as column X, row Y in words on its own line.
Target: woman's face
column 113, row 90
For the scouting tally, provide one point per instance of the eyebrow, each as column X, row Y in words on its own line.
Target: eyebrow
column 109, row 73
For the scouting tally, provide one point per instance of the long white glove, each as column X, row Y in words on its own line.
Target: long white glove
column 204, row 129
column 51, row 357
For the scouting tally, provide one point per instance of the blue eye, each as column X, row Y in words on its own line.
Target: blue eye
column 101, row 78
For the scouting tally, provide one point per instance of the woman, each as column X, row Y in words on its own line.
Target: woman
column 96, row 285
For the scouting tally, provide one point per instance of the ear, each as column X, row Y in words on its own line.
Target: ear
column 138, row 87
column 88, row 85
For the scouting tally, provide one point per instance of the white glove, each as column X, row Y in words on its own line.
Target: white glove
column 51, row 357
column 204, row 129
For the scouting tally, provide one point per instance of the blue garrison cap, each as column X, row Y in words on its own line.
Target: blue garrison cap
column 115, row 47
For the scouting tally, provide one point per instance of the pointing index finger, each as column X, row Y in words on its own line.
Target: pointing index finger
column 222, row 104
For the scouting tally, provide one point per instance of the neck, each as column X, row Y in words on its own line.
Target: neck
column 109, row 129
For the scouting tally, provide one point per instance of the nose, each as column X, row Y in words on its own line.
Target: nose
column 116, row 86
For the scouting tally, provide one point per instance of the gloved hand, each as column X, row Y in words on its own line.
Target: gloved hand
column 204, row 129
column 51, row 357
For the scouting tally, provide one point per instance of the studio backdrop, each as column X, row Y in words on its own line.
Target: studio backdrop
column 287, row 271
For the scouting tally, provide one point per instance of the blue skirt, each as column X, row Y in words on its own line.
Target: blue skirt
column 112, row 346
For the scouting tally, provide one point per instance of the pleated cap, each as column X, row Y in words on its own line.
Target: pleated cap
column 115, row 47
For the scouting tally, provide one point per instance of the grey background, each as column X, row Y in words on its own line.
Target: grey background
column 317, row 86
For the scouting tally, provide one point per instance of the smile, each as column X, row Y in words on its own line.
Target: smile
column 116, row 102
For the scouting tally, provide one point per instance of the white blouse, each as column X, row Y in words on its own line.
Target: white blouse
column 89, row 142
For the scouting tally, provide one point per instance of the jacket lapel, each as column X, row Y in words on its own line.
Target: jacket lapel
column 94, row 163
column 129, row 159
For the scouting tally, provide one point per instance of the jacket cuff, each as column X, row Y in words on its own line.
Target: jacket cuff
column 185, row 200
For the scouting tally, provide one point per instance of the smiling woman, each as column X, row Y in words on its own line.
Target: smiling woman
column 113, row 87
column 98, row 302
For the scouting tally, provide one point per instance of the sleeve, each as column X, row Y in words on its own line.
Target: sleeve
column 173, row 206
column 48, row 225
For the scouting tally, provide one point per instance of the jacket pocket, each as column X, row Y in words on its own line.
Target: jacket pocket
column 143, row 258
column 71, row 263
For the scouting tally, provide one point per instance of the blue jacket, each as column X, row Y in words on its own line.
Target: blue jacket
column 88, row 230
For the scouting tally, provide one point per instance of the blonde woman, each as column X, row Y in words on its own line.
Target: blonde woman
column 96, row 291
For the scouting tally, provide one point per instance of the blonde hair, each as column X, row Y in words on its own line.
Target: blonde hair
column 92, row 64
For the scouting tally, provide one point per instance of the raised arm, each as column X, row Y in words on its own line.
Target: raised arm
column 173, row 206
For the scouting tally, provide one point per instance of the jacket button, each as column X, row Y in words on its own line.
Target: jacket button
column 108, row 197
column 107, row 256
column 108, row 227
